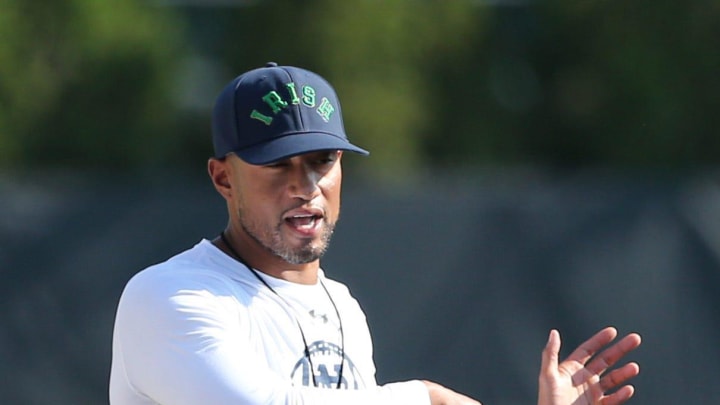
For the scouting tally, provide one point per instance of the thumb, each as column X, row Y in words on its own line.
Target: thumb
column 550, row 353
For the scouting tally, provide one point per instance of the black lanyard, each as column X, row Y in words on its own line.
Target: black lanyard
column 302, row 333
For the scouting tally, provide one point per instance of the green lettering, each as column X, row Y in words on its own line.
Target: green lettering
column 325, row 109
column 274, row 101
column 293, row 94
column 255, row 114
column 308, row 96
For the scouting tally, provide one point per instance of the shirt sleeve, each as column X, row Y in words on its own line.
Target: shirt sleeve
column 177, row 349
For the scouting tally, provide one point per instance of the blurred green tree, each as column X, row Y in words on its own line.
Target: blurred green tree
column 592, row 83
column 86, row 83
column 423, row 83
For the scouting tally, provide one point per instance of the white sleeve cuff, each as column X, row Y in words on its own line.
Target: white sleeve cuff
column 412, row 392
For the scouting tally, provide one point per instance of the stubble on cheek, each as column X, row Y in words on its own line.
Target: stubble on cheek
column 273, row 240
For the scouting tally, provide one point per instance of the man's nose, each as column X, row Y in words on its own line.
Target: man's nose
column 304, row 182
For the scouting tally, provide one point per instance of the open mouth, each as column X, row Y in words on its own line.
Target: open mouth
column 303, row 222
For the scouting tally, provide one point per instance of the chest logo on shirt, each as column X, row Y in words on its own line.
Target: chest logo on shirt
column 325, row 359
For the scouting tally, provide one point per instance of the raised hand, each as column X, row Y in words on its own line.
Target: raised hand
column 582, row 379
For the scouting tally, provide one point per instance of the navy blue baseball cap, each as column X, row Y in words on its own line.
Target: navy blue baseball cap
column 276, row 112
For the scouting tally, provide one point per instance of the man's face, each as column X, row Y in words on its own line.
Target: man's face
column 289, row 207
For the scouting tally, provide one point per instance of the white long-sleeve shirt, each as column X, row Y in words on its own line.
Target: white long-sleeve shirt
column 201, row 329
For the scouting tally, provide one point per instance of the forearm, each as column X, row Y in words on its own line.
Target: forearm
column 440, row 395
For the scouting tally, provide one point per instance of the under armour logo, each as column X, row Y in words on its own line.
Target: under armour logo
column 323, row 317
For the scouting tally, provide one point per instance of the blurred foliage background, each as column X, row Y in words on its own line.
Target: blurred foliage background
column 129, row 84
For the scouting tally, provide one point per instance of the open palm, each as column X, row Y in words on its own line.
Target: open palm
column 583, row 378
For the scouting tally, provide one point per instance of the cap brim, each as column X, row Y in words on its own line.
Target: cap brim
column 295, row 144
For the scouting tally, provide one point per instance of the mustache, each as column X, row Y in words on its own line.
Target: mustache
column 313, row 208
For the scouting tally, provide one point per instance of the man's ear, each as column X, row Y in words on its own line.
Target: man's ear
column 219, row 172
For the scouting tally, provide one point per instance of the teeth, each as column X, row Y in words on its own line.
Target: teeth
column 303, row 221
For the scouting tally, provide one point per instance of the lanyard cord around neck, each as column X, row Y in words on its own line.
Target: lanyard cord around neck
column 302, row 333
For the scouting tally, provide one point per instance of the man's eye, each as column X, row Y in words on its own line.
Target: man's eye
column 279, row 164
column 327, row 158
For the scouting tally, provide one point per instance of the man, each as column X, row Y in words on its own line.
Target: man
column 250, row 317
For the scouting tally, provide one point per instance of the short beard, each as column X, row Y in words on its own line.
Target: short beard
column 276, row 246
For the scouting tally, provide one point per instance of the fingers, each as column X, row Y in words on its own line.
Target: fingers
column 619, row 376
column 587, row 350
column 619, row 396
column 549, row 363
column 608, row 357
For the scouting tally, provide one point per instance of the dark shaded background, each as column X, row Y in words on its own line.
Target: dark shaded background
column 461, row 277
